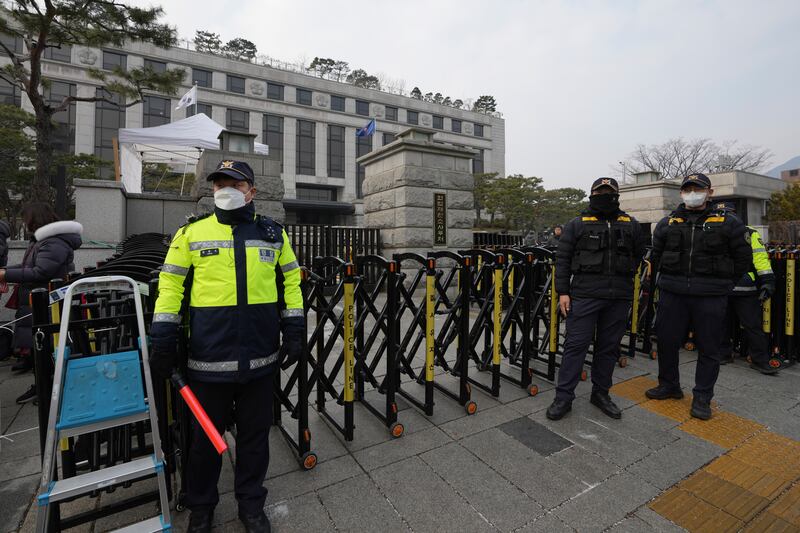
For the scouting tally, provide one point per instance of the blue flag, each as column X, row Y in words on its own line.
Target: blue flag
column 367, row 130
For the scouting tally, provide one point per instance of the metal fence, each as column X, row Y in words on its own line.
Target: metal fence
column 347, row 242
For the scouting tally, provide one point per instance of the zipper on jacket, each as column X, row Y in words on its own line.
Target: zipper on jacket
column 691, row 251
column 610, row 274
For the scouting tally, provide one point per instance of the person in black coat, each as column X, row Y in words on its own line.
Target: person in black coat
column 5, row 233
column 50, row 255
column 699, row 252
column 597, row 258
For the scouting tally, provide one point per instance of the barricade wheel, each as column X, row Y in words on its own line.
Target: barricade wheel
column 654, row 355
column 397, row 430
column 471, row 407
column 689, row 346
column 749, row 359
column 179, row 505
column 623, row 362
column 775, row 363
column 530, row 372
column 533, row 390
column 309, row 460
column 584, row 375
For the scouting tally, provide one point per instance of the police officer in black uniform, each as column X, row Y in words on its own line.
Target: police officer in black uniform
column 699, row 252
column 597, row 258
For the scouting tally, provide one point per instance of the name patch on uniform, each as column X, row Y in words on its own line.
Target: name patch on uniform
column 209, row 251
column 265, row 255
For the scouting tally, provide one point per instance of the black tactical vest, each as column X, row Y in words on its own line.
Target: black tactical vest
column 605, row 247
column 697, row 249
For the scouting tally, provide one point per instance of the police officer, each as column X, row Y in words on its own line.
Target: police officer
column 555, row 238
column 699, row 251
column 244, row 293
column 752, row 289
column 597, row 258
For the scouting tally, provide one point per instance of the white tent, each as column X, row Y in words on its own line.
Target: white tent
column 175, row 143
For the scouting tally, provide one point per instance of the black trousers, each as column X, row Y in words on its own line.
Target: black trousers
column 609, row 318
column 252, row 404
column 706, row 314
column 748, row 310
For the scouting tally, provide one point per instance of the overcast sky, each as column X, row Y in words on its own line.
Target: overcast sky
column 580, row 83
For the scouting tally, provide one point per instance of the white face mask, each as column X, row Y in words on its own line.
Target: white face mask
column 228, row 198
column 694, row 199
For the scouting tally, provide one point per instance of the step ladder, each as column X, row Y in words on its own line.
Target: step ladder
column 95, row 393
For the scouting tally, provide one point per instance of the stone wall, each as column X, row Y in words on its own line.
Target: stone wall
column 399, row 187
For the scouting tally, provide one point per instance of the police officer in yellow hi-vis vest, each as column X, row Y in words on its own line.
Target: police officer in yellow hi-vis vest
column 244, row 294
column 752, row 289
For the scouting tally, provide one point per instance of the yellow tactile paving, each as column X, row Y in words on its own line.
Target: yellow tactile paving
column 787, row 507
column 749, row 477
column 633, row 389
column 677, row 410
column 692, row 513
column 769, row 523
column 771, row 452
column 724, row 429
column 724, row 495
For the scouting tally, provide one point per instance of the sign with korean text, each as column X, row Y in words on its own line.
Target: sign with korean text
column 439, row 219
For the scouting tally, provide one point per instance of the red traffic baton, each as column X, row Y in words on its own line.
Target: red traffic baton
column 199, row 413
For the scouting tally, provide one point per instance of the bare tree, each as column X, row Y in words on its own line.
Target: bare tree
column 679, row 157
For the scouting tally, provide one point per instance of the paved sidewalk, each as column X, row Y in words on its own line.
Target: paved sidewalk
column 507, row 468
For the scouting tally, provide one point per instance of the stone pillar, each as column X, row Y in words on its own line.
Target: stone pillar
column 405, row 179
column 268, row 183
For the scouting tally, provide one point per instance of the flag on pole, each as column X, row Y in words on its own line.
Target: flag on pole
column 190, row 98
column 367, row 130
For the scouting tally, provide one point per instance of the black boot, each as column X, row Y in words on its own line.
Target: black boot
column 200, row 521
column 764, row 368
column 662, row 392
column 558, row 409
column 25, row 364
column 604, row 402
column 700, row 409
column 255, row 523
column 27, row 396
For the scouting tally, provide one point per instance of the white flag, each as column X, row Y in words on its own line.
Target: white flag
column 190, row 98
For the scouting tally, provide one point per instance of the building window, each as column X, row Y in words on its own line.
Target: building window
column 304, row 96
column 362, row 108
column 235, row 84
column 112, row 60
column 108, row 119
column 62, row 53
column 456, row 126
column 337, row 103
column 237, row 120
column 9, row 94
column 388, row 138
column 12, row 42
column 274, row 91
column 201, row 77
column 477, row 163
column 156, row 111
column 412, row 117
column 63, row 137
column 336, row 151
column 363, row 147
column 478, row 130
column 438, row 122
column 316, row 194
column 201, row 108
column 794, row 172
column 391, row 113
column 273, row 137
column 306, row 147
column 159, row 67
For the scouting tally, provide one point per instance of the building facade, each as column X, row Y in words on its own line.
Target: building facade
column 791, row 175
column 308, row 122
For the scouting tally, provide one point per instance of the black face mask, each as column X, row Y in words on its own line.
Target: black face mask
column 607, row 204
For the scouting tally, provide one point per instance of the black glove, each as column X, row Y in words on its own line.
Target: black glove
column 162, row 363
column 292, row 349
column 766, row 292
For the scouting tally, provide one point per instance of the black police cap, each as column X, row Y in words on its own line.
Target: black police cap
column 238, row 170
column 700, row 180
column 605, row 182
